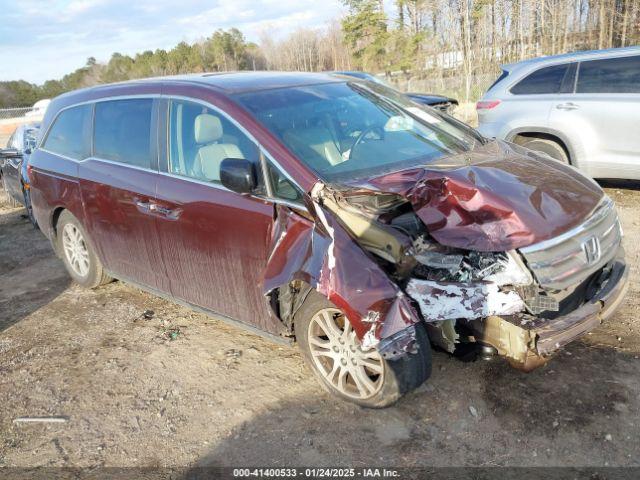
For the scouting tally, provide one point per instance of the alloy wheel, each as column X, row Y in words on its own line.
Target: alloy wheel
column 339, row 357
column 75, row 249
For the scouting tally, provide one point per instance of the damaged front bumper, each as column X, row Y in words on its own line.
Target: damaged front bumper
column 527, row 347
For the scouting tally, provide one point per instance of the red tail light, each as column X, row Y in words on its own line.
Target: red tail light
column 487, row 104
column 29, row 172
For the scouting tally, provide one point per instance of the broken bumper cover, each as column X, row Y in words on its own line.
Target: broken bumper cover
column 567, row 328
column 527, row 348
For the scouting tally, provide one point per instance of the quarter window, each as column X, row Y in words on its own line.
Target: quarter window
column 122, row 131
column 282, row 187
column 548, row 80
column 613, row 75
column 67, row 134
column 200, row 138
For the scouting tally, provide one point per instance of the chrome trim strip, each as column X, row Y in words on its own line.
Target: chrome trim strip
column 215, row 185
column 598, row 214
column 60, row 155
column 119, row 164
column 222, row 187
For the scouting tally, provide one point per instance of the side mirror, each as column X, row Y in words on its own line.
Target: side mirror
column 238, row 175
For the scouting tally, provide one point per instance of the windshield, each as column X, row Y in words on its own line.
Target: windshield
column 353, row 130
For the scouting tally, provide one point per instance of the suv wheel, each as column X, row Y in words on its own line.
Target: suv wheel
column 551, row 148
column 345, row 369
column 78, row 255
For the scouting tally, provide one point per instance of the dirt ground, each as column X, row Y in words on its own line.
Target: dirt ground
column 182, row 389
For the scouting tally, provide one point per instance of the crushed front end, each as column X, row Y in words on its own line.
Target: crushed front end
column 523, row 303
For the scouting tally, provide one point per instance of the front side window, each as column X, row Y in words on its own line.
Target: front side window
column 613, row 75
column 200, row 138
column 548, row 80
column 67, row 135
column 354, row 130
column 122, row 131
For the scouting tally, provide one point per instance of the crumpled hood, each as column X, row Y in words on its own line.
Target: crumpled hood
column 495, row 198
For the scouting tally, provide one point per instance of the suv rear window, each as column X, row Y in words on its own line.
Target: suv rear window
column 612, row 75
column 548, row 80
column 122, row 131
column 67, row 134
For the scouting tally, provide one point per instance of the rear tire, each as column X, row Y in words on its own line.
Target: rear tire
column 78, row 254
column 550, row 147
column 334, row 354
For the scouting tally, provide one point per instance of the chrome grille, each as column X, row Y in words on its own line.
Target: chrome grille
column 570, row 258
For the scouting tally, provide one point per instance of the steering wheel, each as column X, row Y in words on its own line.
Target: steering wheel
column 362, row 136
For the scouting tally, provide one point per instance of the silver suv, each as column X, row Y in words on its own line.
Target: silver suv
column 581, row 108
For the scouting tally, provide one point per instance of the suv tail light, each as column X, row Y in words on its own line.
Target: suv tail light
column 487, row 104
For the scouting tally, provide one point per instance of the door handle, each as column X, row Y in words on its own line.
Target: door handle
column 567, row 106
column 144, row 207
column 167, row 212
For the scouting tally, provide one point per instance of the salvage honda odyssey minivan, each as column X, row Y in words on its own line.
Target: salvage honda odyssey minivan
column 330, row 211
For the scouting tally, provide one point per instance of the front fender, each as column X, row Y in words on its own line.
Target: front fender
column 319, row 252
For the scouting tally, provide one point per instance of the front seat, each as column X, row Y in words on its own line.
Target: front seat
column 315, row 144
column 208, row 133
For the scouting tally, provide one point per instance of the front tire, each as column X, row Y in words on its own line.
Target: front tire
column 336, row 357
column 79, row 257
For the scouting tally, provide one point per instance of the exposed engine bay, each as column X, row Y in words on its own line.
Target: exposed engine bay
column 465, row 297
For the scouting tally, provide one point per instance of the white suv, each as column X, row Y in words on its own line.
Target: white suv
column 581, row 108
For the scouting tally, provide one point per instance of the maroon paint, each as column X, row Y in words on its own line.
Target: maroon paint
column 356, row 284
column 496, row 198
column 58, row 187
column 215, row 247
column 116, row 200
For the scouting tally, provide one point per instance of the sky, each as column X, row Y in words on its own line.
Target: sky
column 46, row 39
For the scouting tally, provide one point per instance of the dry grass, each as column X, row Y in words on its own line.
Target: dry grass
column 466, row 112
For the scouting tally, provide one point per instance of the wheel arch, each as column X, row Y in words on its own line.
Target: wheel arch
column 286, row 300
column 546, row 134
column 56, row 213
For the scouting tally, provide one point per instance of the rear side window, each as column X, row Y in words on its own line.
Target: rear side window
column 67, row 135
column 122, row 131
column 502, row 76
column 548, row 80
column 613, row 75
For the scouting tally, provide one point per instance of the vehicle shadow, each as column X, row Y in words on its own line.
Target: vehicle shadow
column 468, row 414
column 30, row 274
column 620, row 184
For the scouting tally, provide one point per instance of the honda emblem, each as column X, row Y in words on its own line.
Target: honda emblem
column 591, row 249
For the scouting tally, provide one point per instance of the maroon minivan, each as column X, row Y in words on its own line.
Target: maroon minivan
column 331, row 211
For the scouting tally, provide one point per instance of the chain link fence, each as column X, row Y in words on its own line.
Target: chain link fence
column 10, row 118
column 11, row 113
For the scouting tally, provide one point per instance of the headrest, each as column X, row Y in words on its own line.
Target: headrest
column 207, row 128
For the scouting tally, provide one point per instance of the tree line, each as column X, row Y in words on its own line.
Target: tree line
column 460, row 42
